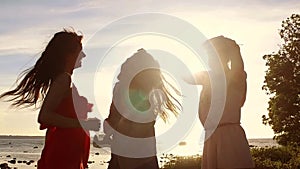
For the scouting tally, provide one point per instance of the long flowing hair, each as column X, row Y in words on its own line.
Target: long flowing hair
column 35, row 81
column 150, row 79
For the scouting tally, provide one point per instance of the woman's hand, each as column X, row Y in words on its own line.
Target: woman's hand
column 226, row 46
column 234, row 55
column 233, row 48
column 93, row 124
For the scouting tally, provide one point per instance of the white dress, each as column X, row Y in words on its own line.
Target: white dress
column 226, row 145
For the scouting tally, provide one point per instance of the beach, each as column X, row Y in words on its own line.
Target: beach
column 23, row 152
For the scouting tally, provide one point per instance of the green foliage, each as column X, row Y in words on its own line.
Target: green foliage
column 285, row 157
column 282, row 83
column 181, row 162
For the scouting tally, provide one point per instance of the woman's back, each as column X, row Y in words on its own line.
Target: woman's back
column 235, row 98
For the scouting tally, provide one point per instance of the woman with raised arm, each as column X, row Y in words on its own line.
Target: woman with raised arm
column 49, row 80
column 226, row 145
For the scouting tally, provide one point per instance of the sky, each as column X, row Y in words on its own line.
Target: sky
column 27, row 26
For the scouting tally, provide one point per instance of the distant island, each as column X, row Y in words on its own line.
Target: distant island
column 20, row 137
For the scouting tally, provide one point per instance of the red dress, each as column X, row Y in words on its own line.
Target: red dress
column 66, row 148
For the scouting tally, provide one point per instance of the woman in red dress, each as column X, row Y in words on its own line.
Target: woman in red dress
column 49, row 81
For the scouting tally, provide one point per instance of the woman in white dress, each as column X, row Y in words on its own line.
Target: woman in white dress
column 225, row 144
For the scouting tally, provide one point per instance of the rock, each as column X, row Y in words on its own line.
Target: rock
column 4, row 165
column 24, row 161
column 12, row 161
column 32, row 161
column 35, row 147
column 19, row 161
column 28, row 163
column 182, row 143
column 97, row 153
column 8, row 156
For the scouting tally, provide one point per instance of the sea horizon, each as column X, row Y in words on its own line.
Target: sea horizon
column 42, row 136
column 25, row 148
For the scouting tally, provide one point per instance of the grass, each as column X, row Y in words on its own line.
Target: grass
column 280, row 157
column 180, row 162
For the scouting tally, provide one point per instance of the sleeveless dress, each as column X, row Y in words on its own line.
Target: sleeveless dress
column 66, row 148
column 226, row 146
column 131, row 129
column 134, row 130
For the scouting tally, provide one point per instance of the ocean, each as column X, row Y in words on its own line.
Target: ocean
column 26, row 150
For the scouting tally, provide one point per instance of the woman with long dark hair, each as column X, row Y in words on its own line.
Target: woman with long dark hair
column 140, row 95
column 49, row 81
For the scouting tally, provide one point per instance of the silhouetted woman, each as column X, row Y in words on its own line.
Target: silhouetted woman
column 49, row 81
column 138, row 97
column 226, row 145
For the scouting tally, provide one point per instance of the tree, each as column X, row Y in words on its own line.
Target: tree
column 282, row 83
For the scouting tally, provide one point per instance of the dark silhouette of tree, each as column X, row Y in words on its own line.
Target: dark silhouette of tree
column 282, row 83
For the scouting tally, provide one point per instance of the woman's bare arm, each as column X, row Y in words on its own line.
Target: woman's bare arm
column 235, row 56
column 56, row 93
column 237, row 66
column 199, row 78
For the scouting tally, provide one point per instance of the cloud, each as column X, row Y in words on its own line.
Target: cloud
column 27, row 26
